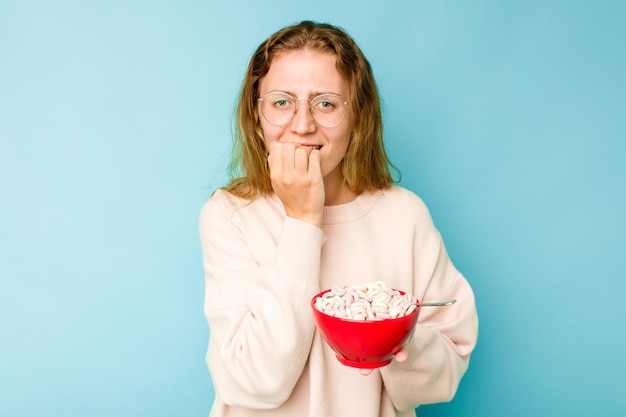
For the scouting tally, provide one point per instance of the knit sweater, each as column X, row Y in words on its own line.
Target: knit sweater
column 262, row 268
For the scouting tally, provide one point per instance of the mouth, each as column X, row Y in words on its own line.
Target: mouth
column 318, row 147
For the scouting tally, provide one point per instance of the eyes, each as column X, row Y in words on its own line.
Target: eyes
column 323, row 102
column 278, row 108
column 326, row 105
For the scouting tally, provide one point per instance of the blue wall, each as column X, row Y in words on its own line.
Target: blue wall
column 508, row 118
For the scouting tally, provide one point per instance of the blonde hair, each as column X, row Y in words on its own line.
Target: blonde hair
column 365, row 167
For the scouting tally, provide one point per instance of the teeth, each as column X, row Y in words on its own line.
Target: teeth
column 318, row 147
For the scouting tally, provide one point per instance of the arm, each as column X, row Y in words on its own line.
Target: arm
column 261, row 329
column 439, row 351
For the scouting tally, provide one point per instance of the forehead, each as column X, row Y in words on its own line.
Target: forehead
column 304, row 72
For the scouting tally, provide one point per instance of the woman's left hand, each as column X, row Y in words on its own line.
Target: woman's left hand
column 401, row 356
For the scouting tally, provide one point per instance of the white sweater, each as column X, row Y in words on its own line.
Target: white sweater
column 262, row 268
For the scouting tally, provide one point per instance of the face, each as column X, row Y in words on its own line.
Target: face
column 307, row 74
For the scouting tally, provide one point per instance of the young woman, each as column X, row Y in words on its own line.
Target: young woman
column 312, row 205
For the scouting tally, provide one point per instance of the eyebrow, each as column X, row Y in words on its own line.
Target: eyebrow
column 312, row 95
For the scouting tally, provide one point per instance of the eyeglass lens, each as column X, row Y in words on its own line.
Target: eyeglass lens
column 327, row 110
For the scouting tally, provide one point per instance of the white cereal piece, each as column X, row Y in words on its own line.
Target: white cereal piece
column 380, row 296
column 366, row 301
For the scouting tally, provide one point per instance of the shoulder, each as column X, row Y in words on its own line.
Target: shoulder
column 401, row 193
column 224, row 205
column 224, row 200
column 403, row 200
column 221, row 205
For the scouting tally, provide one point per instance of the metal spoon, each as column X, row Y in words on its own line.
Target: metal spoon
column 435, row 304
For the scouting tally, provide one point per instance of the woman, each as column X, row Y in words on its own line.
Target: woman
column 313, row 205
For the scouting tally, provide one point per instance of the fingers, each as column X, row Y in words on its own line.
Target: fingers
column 301, row 159
column 315, row 164
column 287, row 158
column 297, row 180
column 402, row 355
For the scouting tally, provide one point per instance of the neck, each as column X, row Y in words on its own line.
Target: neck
column 337, row 191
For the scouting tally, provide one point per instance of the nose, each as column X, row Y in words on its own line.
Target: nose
column 303, row 122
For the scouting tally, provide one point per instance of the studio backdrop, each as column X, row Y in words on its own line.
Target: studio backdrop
column 507, row 118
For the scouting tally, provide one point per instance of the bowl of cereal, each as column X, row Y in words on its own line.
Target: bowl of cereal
column 365, row 324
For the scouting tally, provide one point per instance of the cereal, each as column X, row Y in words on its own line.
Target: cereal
column 372, row 301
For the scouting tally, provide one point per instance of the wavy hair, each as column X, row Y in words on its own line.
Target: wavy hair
column 365, row 167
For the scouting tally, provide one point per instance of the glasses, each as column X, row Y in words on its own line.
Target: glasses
column 327, row 110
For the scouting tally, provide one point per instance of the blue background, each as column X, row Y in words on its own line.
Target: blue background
column 508, row 118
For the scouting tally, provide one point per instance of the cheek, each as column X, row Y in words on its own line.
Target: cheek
column 336, row 151
column 342, row 141
column 270, row 133
column 346, row 132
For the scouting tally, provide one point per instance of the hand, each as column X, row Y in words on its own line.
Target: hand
column 401, row 356
column 297, row 180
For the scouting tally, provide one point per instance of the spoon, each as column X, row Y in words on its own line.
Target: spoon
column 435, row 303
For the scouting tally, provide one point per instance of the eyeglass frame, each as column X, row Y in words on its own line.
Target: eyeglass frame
column 310, row 100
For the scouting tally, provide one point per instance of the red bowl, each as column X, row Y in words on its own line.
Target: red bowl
column 364, row 343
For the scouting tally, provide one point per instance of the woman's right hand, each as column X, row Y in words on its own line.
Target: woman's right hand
column 297, row 180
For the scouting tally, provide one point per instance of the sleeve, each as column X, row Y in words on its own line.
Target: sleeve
column 261, row 328
column 440, row 348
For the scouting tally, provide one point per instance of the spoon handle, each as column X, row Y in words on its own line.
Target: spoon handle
column 436, row 304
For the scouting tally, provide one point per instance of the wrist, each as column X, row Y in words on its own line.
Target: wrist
column 311, row 218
